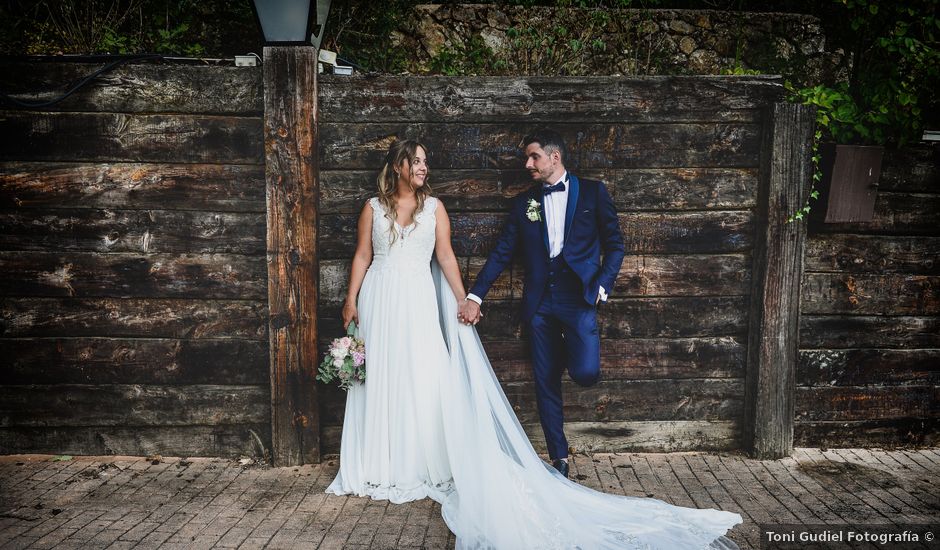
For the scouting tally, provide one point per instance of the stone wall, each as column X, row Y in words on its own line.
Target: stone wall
column 492, row 39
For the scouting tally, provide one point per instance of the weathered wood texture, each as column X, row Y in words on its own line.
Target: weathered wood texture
column 674, row 232
column 589, row 100
column 133, row 302
column 786, row 171
column 681, row 160
column 654, row 189
column 496, row 145
column 133, row 186
column 870, row 330
column 115, row 137
column 291, row 174
column 224, row 440
column 139, row 88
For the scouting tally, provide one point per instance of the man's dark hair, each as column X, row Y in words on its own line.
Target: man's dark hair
column 548, row 140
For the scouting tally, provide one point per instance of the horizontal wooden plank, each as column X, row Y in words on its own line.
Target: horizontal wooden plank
column 134, row 361
column 613, row 400
column 231, row 441
column 913, row 168
column 664, row 436
column 636, row 359
column 896, row 214
column 687, row 232
column 613, row 437
column 633, row 359
column 668, row 275
column 475, row 233
column 600, row 145
column 133, row 405
column 207, row 276
column 873, row 254
column 678, row 317
column 895, row 294
column 684, row 275
column 207, row 187
column 345, row 191
column 139, row 87
column 857, row 367
column 506, row 286
column 608, row 400
column 136, row 138
column 546, row 99
column 857, row 331
column 116, row 317
column 837, row 403
column 888, row 433
column 141, row 231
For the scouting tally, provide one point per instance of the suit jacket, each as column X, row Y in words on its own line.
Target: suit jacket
column 591, row 228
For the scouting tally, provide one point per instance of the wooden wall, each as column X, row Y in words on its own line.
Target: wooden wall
column 133, row 296
column 869, row 361
column 133, row 302
column 680, row 156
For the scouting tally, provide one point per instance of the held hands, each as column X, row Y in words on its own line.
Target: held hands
column 350, row 313
column 469, row 312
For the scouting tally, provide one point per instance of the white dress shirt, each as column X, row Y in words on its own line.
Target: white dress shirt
column 555, row 206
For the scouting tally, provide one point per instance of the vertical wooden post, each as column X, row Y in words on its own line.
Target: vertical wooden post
column 785, row 175
column 292, row 174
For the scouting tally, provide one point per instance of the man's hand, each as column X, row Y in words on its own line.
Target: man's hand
column 469, row 312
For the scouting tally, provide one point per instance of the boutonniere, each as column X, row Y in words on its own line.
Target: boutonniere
column 532, row 212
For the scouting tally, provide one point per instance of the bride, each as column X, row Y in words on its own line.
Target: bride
column 431, row 419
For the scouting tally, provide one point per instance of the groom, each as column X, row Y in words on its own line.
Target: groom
column 560, row 227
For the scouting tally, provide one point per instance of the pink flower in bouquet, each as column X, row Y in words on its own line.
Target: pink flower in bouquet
column 344, row 361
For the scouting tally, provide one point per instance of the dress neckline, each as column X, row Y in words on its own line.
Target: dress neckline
column 410, row 225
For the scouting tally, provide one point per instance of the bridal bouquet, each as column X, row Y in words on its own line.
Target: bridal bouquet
column 345, row 360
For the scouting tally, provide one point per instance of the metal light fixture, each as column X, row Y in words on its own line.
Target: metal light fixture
column 292, row 22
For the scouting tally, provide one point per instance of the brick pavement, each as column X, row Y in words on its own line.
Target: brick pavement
column 168, row 503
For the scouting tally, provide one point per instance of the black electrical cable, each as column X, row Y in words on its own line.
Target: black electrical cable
column 7, row 98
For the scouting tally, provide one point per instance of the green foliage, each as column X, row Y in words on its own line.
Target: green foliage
column 173, row 27
column 804, row 210
column 574, row 39
column 737, row 69
column 472, row 58
column 895, row 74
column 359, row 32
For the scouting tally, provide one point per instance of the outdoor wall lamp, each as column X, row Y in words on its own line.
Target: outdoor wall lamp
column 292, row 22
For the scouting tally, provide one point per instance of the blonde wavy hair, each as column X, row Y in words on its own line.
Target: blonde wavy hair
column 387, row 182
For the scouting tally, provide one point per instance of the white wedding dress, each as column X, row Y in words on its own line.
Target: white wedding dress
column 431, row 420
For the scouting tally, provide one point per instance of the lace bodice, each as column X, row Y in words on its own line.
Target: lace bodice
column 413, row 244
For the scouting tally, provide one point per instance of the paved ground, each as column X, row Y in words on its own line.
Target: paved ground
column 134, row 502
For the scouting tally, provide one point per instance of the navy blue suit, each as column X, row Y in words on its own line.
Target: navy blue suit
column 559, row 294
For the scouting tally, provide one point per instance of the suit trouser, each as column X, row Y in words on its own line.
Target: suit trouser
column 563, row 336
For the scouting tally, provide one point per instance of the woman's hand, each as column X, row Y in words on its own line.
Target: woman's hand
column 350, row 313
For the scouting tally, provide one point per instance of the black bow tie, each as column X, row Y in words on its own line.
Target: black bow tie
column 560, row 186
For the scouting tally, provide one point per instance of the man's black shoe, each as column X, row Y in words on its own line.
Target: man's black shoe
column 561, row 466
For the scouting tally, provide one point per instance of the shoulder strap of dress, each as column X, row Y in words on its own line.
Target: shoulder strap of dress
column 431, row 205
